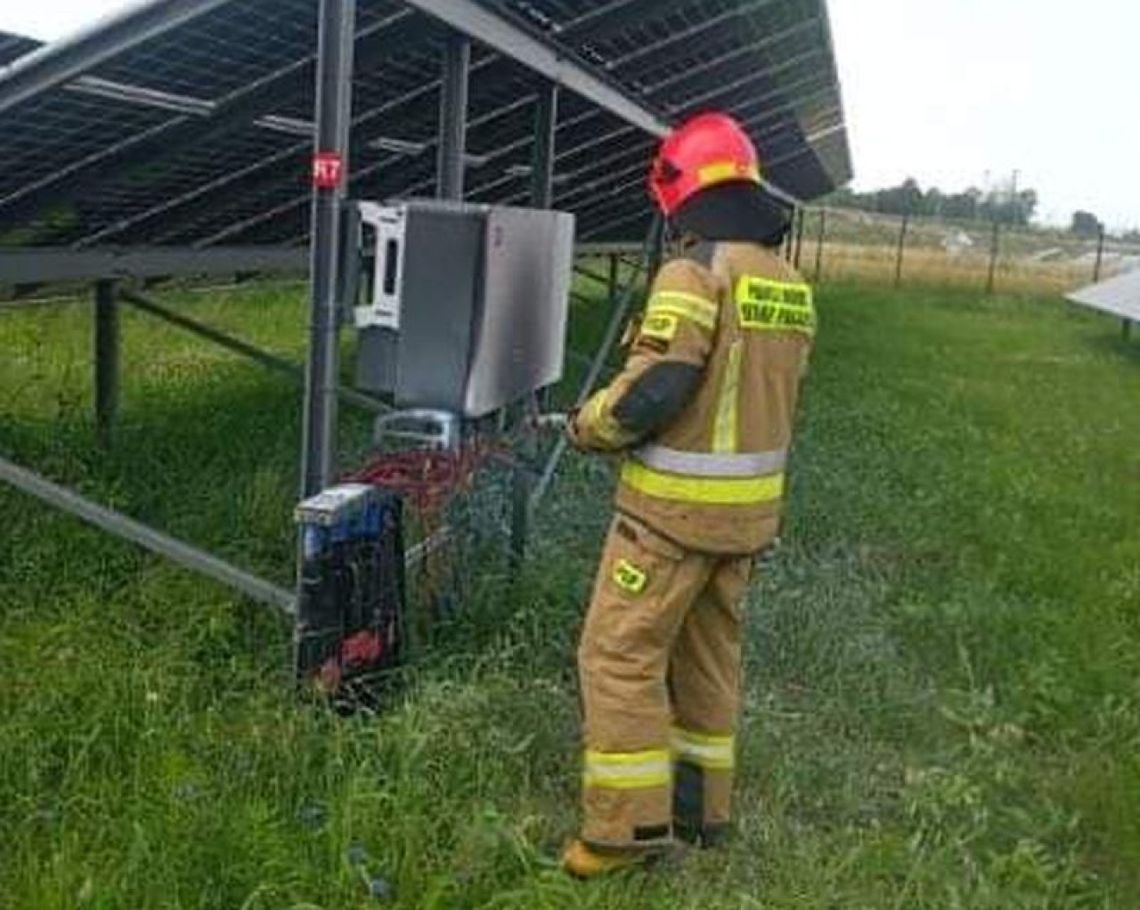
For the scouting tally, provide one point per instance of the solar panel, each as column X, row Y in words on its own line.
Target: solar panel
column 15, row 46
column 1119, row 296
column 201, row 135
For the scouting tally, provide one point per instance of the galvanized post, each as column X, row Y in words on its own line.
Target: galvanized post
column 541, row 197
column 330, row 168
column 902, row 249
column 1099, row 255
column 801, row 220
column 819, row 244
column 542, row 163
column 107, row 342
column 453, row 118
column 994, row 245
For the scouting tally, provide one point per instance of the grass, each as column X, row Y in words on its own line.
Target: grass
column 935, row 267
column 943, row 696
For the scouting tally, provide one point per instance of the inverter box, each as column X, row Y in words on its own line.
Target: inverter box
column 467, row 306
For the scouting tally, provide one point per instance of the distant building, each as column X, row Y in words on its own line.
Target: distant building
column 957, row 243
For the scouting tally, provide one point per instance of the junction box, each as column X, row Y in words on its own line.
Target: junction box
column 350, row 616
column 463, row 307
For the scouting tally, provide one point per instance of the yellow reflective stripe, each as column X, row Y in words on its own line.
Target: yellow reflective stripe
column 725, row 432
column 689, row 306
column 628, row 770
column 725, row 491
column 716, row 753
column 720, row 171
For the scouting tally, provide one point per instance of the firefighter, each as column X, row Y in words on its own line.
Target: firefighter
column 702, row 414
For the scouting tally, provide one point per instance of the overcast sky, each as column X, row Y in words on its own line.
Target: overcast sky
column 947, row 91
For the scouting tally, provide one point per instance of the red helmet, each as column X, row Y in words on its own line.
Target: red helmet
column 707, row 150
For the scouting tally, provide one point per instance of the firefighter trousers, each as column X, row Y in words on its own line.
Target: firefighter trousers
column 659, row 669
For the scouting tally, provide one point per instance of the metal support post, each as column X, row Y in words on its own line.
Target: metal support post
column 801, row 218
column 542, row 197
column 995, row 243
column 1099, row 255
column 819, row 245
column 453, row 118
column 902, row 249
column 334, row 104
column 612, row 294
column 107, row 345
column 542, row 164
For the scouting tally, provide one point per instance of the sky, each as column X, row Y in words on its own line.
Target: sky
column 955, row 93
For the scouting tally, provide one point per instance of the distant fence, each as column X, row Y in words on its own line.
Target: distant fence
column 843, row 244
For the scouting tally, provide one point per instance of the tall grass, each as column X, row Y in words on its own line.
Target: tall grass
column 943, row 696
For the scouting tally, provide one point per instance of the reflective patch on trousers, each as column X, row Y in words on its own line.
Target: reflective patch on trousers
column 714, row 753
column 627, row 770
column 629, row 577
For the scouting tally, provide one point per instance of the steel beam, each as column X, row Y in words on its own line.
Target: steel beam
column 452, row 146
column 499, row 33
column 334, row 106
column 56, row 63
column 541, row 197
column 148, row 538
column 107, row 347
column 37, row 266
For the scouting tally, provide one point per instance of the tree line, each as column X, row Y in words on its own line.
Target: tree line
column 908, row 198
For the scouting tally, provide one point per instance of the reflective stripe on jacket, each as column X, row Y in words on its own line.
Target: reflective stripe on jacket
column 705, row 405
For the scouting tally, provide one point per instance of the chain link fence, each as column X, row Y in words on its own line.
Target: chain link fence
column 849, row 245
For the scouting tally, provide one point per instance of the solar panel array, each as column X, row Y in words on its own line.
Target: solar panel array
column 202, row 135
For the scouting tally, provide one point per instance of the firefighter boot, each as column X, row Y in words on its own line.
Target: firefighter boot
column 582, row 861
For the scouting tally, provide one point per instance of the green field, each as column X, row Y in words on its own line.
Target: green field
column 943, row 688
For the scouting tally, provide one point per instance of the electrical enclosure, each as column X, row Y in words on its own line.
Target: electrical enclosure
column 467, row 306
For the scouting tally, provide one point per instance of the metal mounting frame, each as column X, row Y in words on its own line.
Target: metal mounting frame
column 595, row 98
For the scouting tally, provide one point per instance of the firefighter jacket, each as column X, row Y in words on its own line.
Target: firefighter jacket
column 704, row 408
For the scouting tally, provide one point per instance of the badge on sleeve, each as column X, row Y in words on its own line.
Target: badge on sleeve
column 662, row 326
